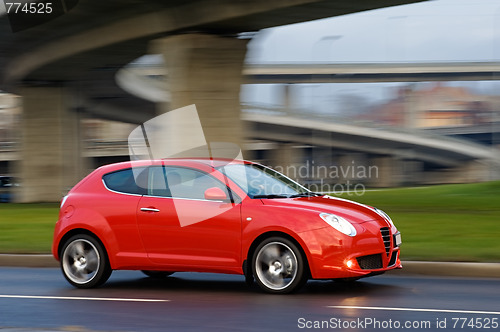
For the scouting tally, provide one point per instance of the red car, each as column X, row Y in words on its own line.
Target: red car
column 203, row 215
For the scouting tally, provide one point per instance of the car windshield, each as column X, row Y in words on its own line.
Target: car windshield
column 262, row 182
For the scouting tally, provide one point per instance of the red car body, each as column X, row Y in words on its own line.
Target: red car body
column 142, row 232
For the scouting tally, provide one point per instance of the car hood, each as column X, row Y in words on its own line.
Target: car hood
column 350, row 210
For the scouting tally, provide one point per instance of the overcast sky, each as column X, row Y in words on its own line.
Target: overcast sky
column 444, row 30
column 435, row 31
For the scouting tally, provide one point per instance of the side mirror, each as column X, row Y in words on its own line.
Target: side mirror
column 215, row 194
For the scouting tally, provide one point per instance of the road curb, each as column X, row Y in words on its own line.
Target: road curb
column 34, row 260
column 451, row 269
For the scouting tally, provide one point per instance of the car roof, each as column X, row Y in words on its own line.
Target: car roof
column 192, row 162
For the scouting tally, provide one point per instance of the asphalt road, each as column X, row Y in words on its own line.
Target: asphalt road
column 33, row 299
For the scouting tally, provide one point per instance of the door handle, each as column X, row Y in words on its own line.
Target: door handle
column 150, row 210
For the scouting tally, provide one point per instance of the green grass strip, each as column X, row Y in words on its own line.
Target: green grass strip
column 438, row 223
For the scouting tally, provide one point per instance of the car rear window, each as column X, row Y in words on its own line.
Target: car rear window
column 127, row 181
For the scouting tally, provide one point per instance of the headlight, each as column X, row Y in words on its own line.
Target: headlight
column 339, row 223
column 385, row 215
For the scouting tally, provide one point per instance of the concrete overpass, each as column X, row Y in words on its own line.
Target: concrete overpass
column 134, row 77
column 443, row 151
column 68, row 64
column 373, row 72
column 487, row 134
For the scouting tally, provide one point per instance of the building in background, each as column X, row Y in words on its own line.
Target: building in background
column 435, row 105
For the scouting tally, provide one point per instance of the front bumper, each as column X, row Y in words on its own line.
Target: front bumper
column 374, row 250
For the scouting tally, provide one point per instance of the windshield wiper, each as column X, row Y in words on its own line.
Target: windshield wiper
column 306, row 194
column 271, row 196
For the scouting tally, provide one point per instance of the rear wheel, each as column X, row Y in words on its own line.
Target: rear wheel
column 84, row 262
column 278, row 266
column 157, row 274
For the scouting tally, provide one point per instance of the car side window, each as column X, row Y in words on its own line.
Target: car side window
column 181, row 182
column 127, row 181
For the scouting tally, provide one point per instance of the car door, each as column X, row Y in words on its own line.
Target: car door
column 179, row 227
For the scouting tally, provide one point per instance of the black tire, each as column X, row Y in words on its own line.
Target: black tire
column 157, row 274
column 279, row 266
column 84, row 262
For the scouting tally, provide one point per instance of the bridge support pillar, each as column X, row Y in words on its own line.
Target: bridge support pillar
column 471, row 172
column 348, row 168
column 387, row 171
column 282, row 158
column 287, row 159
column 205, row 70
column 51, row 161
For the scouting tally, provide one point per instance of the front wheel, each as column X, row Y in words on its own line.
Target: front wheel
column 84, row 262
column 278, row 266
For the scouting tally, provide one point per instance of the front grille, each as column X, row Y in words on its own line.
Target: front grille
column 386, row 236
column 393, row 258
column 370, row 262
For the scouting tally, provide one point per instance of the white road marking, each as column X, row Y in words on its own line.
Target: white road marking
column 416, row 310
column 80, row 298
